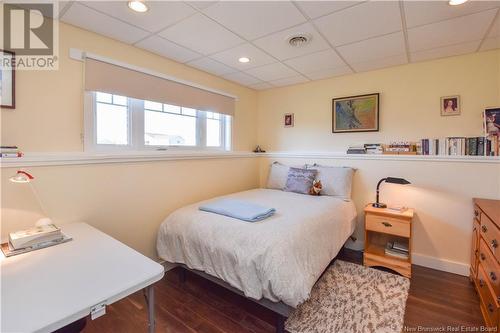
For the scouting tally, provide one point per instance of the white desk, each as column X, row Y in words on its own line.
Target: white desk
column 50, row 288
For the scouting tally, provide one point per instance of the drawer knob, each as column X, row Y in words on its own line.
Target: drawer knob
column 476, row 213
column 490, row 307
column 493, row 276
column 481, row 283
column 494, row 243
column 484, row 229
column 387, row 224
column 482, row 256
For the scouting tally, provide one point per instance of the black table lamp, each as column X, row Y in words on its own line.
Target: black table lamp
column 391, row 180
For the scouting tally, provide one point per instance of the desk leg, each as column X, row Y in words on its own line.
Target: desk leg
column 150, row 299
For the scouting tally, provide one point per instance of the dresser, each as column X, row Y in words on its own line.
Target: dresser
column 485, row 257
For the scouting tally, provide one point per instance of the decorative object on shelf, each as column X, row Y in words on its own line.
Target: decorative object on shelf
column 258, row 150
column 7, row 80
column 392, row 180
column 355, row 114
column 450, row 105
column 23, row 177
column 288, row 119
column 400, row 148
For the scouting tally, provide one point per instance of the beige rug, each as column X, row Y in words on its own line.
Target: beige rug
column 351, row 298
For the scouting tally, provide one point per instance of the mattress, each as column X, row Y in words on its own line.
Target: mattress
column 279, row 258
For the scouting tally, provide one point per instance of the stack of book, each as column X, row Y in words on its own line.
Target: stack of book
column 492, row 146
column 397, row 249
column 455, row 146
column 10, row 152
column 400, row 148
column 356, row 150
column 374, row 148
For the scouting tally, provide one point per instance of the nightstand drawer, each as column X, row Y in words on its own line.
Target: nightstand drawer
column 388, row 225
column 491, row 235
column 490, row 266
column 488, row 303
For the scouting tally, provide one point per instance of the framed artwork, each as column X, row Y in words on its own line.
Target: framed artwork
column 450, row 106
column 288, row 120
column 355, row 114
column 7, row 81
column 492, row 121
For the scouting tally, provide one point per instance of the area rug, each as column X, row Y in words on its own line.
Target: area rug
column 351, row 298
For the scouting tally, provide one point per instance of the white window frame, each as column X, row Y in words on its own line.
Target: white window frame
column 136, row 142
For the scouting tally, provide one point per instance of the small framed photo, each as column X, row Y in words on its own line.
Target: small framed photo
column 450, row 106
column 288, row 120
column 7, row 80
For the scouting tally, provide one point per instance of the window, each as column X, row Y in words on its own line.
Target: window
column 114, row 122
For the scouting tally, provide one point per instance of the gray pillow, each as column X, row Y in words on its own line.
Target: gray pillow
column 277, row 176
column 300, row 180
column 336, row 181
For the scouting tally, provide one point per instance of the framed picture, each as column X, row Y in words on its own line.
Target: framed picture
column 450, row 106
column 288, row 120
column 7, row 80
column 492, row 121
column 355, row 114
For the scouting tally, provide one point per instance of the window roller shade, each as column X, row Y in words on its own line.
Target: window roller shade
column 109, row 78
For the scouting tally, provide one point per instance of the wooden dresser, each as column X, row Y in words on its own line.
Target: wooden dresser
column 485, row 258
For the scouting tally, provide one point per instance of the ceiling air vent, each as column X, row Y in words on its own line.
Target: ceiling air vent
column 299, row 40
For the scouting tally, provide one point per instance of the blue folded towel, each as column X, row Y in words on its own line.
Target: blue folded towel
column 238, row 209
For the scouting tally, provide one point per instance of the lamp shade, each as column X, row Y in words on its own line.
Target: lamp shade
column 400, row 181
column 21, row 177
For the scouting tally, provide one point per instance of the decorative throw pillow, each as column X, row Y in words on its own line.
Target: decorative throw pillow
column 278, row 174
column 336, row 181
column 300, row 180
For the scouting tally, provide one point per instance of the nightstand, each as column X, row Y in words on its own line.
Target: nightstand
column 383, row 225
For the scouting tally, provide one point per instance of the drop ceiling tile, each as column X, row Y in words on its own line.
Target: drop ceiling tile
column 272, row 72
column 201, row 4
column 315, row 9
column 289, row 81
column 329, row 72
column 454, row 31
column 374, row 48
column 92, row 20
column 380, row 63
column 315, row 61
column 425, row 12
column 201, row 34
column 445, row 51
column 230, row 57
column 211, row 66
column 242, row 78
column 360, row 22
column 160, row 14
column 167, row 49
column 261, row 86
column 253, row 19
column 277, row 43
column 491, row 43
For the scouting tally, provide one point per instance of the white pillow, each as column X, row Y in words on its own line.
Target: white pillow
column 278, row 174
column 336, row 181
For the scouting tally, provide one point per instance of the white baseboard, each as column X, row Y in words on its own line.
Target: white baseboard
column 441, row 264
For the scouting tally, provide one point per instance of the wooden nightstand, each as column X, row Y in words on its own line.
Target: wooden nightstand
column 384, row 225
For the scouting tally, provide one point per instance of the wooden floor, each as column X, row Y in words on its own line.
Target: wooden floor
column 436, row 299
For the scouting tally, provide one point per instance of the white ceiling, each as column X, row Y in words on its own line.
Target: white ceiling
column 347, row 36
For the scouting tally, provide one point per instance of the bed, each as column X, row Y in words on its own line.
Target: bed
column 277, row 260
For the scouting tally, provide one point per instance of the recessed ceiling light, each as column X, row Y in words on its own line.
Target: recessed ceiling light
column 456, row 2
column 244, row 59
column 138, row 6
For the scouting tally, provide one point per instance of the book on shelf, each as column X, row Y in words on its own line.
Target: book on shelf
column 356, row 150
column 10, row 152
column 373, row 148
column 403, row 147
column 35, row 235
column 400, row 251
column 457, row 146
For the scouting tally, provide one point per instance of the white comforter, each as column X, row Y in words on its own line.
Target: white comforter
column 279, row 258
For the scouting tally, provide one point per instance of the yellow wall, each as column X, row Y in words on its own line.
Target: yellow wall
column 130, row 200
column 49, row 104
column 409, row 104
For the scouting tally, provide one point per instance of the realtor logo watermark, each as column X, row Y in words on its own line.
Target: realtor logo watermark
column 30, row 31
